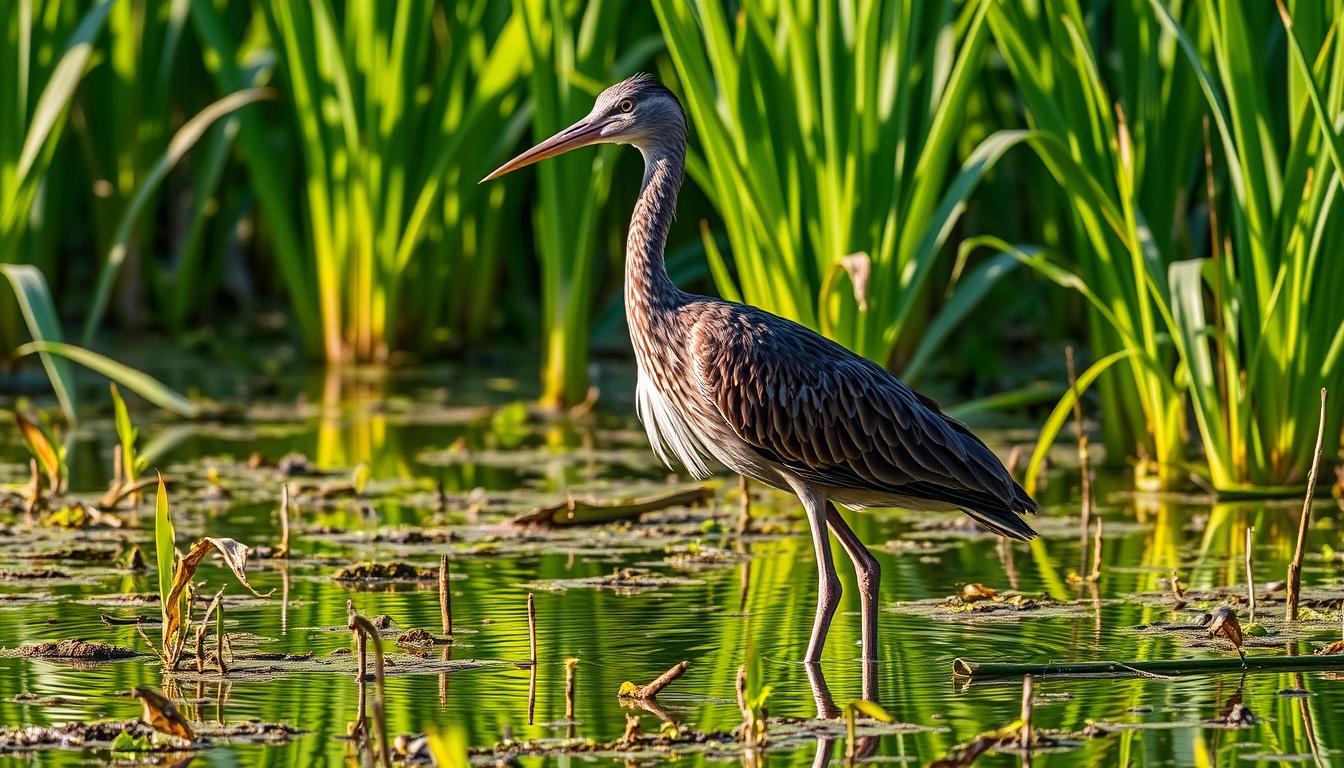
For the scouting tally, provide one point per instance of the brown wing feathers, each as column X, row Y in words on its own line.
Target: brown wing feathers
column 834, row 418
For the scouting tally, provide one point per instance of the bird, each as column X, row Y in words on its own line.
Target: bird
column 721, row 382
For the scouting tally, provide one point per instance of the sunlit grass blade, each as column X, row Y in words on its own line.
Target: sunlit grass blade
column 138, row 382
column 39, row 312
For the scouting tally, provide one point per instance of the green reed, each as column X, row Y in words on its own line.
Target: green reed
column 392, row 108
column 573, row 49
column 1205, row 275
column 827, row 140
column 46, row 49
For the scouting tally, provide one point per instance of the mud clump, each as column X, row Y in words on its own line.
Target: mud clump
column 37, row 574
column 77, row 649
column 394, row 571
column 415, row 638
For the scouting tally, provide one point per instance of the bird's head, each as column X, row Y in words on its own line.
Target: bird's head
column 637, row 110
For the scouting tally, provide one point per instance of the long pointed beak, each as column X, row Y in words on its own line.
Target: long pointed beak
column 580, row 134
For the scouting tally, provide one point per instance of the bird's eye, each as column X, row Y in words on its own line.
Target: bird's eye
column 627, row 105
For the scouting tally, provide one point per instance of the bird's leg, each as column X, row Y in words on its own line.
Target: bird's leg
column 869, row 576
column 828, row 583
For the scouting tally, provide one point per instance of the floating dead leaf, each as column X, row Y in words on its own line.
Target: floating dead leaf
column 974, row 592
column 1224, row 622
column 1333, row 649
column 161, row 714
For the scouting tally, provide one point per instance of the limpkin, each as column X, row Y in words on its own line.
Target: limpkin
column 771, row 399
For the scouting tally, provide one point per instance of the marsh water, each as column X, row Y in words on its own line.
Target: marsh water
column 445, row 459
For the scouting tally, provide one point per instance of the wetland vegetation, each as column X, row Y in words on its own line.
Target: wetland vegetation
column 368, row 487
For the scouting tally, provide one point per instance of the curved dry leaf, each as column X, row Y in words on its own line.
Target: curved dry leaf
column 161, row 714
column 1333, row 649
column 41, row 448
column 235, row 556
column 975, row 591
column 1225, row 623
column 859, row 267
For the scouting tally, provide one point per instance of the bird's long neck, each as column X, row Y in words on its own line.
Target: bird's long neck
column 648, row 289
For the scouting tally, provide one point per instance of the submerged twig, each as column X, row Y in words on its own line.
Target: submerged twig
column 1295, row 567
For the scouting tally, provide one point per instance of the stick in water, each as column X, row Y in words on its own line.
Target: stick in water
column 744, row 514
column 651, row 690
column 1295, row 567
column 570, row 664
column 532, row 626
column 445, row 597
column 1096, row 553
column 1250, row 574
column 1027, row 706
column 283, row 549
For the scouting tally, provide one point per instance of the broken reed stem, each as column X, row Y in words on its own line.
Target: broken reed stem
column 1295, row 567
column 748, row 721
column 651, row 690
column 532, row 627
column 1028, row 703
column 445, row 597
column 118, row 468
column 365, row 631
column 1083, row 458
column 1250, row 574
column 283, row 550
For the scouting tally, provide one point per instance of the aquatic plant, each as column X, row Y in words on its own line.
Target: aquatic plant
column 176, row 572
column 46, row 56
column 573, row 51
column 368, row 88
column 827, row 138
column 1206, row 272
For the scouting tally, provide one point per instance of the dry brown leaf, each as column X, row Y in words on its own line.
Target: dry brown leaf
column 975, row 591
column 1225, row 623
column 859, row 267
column 161, row 714
column 1333, row 649
column 235, row 556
